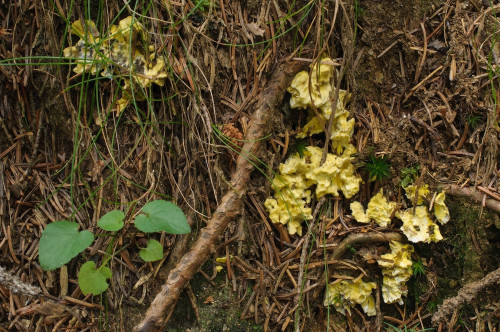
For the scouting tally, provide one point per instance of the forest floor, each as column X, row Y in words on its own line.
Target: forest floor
column 205, row 121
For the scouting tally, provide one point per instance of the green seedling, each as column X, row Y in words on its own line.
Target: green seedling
column 409, row 175
column 160, row 216
column 61, row 241
column 378, row 168
column 418, row 267
column 393, row 328
column 112, row 221
column 299, row 147
column 474, row 121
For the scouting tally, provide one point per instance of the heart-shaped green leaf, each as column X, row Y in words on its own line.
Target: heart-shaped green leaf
column 112, row 221
column 162, row 216
column 60, row 242
column 92, row 280
column 153, row 251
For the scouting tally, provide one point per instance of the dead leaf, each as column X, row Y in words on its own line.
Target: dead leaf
column 255, row 29
column 50, row 309
column 209, row 300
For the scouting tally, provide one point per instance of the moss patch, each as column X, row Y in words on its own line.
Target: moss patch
column 466, row 254
column 222, row 314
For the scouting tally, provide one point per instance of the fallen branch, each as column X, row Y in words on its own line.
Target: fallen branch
column 466, row 295
column 229, row 206
column 477, row 196
column 16, row 285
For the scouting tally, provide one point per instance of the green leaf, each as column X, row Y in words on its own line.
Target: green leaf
column 60, row 242
column 92, row 280
column 153, row 251
column 112, row 221
column 162, row 216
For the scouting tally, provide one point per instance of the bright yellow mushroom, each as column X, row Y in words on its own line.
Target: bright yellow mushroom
column 396, row 269
column 120, row 53
column 345, row 294
column 380, row 210
column 440, row 209
column 418, row 226
column 423, row 191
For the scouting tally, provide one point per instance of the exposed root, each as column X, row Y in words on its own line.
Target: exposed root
column 228, row 208
column 477, row 196
column 467, row 294
column 355, row 239
column 361, row 238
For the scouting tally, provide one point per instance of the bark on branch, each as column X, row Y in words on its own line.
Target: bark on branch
column 229, row 206
column 466, row 295
column 476, row 196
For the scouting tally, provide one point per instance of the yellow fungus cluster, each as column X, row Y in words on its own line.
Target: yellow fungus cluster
column 123, row 52
column 298, row 174
column 315, row 92
column 295, row 178
column 423, row 191
column 418, row 226
column 288, row 206
column 396, row 269
column 441, row 211
column 345, row 294
column 319, row 83
column 379, row 210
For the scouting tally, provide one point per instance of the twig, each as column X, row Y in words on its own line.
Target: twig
column 16, row 285
column 416, row 87
column 334, row 109
column 229, row 206
column 192, row 299
column 387, row 49
column 303, row 258
column 424, row 54
column 489, row 193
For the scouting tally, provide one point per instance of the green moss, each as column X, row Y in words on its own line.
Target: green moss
column 463, row 256
column 220, row 315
